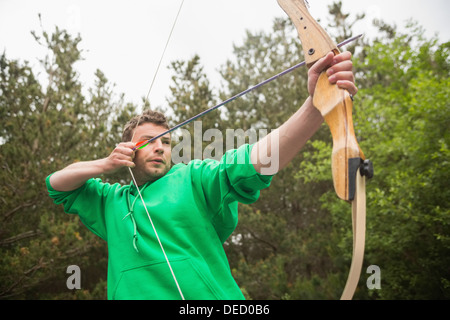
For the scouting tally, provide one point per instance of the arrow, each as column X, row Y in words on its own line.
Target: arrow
column 144, row 143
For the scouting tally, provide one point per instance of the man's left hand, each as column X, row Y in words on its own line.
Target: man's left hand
column 340, row 72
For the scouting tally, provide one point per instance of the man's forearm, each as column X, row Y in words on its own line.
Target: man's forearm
column 276, row 150
column 76, row 174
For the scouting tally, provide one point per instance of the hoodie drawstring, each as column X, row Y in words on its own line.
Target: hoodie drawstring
column 130, row 213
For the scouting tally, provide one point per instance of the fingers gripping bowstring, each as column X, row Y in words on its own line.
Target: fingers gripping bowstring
column 134, row 131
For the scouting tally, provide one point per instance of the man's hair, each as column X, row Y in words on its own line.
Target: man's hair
column 148, row 116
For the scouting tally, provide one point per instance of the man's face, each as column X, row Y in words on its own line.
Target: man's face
column 154, row 160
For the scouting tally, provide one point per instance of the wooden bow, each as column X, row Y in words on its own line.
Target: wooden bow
column 349, row 166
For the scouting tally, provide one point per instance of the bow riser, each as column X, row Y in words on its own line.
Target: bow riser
column 336, row 107
column 334, row 104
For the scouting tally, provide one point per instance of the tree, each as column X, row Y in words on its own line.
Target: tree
column 401, row 118
column 44, row 128
column 192, row 94
column 406, row 98
column 273, row 252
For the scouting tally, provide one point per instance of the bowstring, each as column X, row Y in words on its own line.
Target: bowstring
column 159, row 65
column 156, row 234
column 134, row 132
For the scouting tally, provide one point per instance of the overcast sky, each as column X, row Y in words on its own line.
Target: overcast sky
column 125, row 39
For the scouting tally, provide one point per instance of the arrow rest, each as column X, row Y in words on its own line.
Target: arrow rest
column 367, row 169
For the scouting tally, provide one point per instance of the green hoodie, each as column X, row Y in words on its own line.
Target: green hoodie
column 194, row 209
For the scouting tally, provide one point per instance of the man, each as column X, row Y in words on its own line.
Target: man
column 173, row 247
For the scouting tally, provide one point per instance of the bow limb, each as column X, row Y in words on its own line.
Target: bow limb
column 359, row 237
column 336, row 107
column 316, row 42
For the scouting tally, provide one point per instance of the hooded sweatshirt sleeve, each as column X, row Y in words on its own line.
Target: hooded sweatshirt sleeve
column 88, row 202
column 225, row 183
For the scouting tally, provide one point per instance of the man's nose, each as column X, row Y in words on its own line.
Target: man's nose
column 158, row 146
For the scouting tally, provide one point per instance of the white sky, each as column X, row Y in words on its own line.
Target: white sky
column 125, row 39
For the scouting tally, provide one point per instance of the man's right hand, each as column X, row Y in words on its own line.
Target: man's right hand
column 121, row 156
column 75, row 175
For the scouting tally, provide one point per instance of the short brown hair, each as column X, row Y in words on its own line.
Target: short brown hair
column 147, row 116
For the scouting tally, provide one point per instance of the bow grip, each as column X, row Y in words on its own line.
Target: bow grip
column 336, row 107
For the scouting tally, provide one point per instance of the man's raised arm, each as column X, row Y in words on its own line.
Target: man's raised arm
column 283, row 144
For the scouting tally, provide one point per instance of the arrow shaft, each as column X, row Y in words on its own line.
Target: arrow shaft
column 201, row 114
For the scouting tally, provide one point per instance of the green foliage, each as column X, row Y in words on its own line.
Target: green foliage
column 401, row 117
column 408, row 199
column 44, row 128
